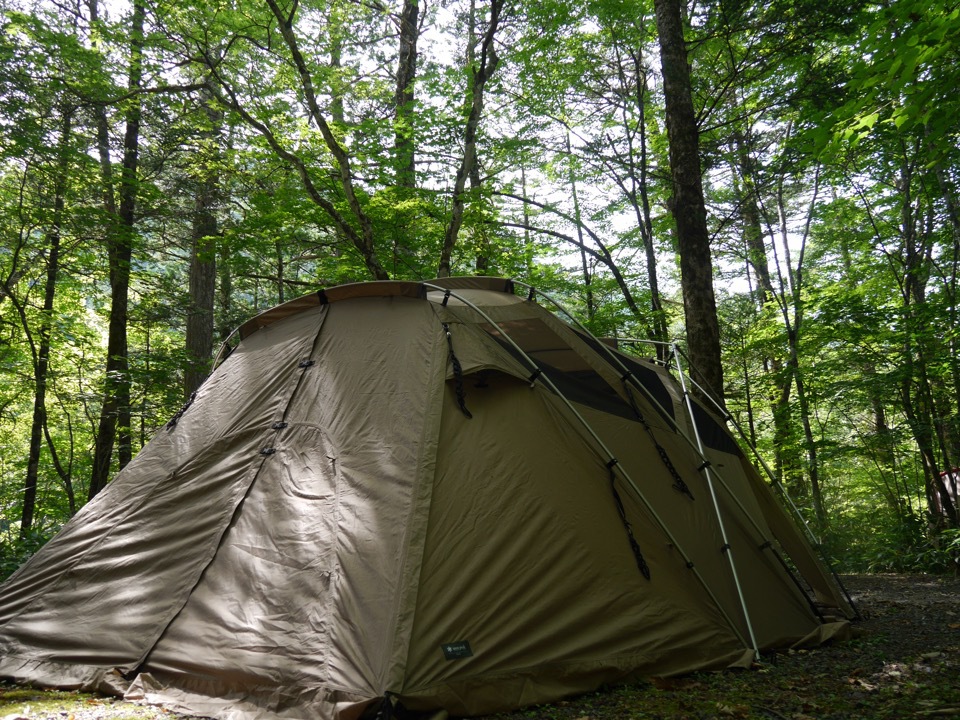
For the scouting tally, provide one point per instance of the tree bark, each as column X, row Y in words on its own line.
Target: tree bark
column 114, row 424
column 481, row 70
column 636, row 181
column 404, row 144
column 41, row 357
column 918, row 396
column 584, row 264
column 203, row 261
column 363, row 240
column 687, row 204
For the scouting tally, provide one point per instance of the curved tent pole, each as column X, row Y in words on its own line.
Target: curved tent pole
column 786, row 496
column 695, row 446
column 611, row 460
column 708, row 474
column 774, row 481
column 768, row 542
column 676, row 426
column 727, row 417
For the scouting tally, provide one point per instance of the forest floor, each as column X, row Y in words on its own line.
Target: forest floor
column 903, row 663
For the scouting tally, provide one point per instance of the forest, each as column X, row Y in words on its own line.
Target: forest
column 774, row 186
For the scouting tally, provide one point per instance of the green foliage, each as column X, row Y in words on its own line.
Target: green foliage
column 14, row 551
column 571, row 194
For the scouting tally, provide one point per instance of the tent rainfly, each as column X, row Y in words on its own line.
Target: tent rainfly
column 420, row 496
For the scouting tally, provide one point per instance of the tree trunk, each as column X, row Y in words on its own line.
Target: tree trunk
column 919, row 405
column 225, row 293
column 585, row 266
column 638, row 174
column 481, row 69
column 103, row 132
column 202, row 285
column 203, row 261
column 687, row 203
column 753, row 234
column 114, row 424
column 41, row 359
column 787, row 466
column 363, row 240
column 404, row 144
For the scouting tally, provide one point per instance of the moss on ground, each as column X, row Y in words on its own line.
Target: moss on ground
column 37, row 704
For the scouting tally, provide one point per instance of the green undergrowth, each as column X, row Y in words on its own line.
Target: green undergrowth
column 36, row 704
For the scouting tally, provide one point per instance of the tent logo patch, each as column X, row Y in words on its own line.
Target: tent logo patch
column 457, row 650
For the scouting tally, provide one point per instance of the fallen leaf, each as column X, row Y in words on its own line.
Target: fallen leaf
column 734, row 711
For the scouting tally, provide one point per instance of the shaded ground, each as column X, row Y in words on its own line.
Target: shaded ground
column 905, row 663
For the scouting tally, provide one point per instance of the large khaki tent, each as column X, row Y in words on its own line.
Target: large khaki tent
column 422, row 495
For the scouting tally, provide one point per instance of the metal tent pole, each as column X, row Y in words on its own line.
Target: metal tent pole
column 611, row 460
column 695, row 445
column 708, row 476
column 817, row 544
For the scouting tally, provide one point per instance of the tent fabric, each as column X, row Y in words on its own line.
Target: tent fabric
column 413, row 491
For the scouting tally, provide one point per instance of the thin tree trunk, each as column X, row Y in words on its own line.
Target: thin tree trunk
column 103, row 132
column 528, row 254
column 480, row 70
column 753, row 233
column 660, row 332
column 640, row 198
column 41, row 359
column 585, row 267
column 917, row 397
column 950, row 285
column 225, row 293
column 687, row 203
column 114, row 424
column 363, row 240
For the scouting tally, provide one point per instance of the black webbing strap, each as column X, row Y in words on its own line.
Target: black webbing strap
column 384, row 710
column 172, row 423
column 457, row 374
column 678, row 483
column 634, row 546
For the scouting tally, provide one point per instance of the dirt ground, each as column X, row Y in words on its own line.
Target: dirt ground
column 903, row 663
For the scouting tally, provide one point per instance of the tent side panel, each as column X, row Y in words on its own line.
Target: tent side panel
column 300, row 603
column 529, row 574
column 102, row 591
column 799, row 550
column 778, row 612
